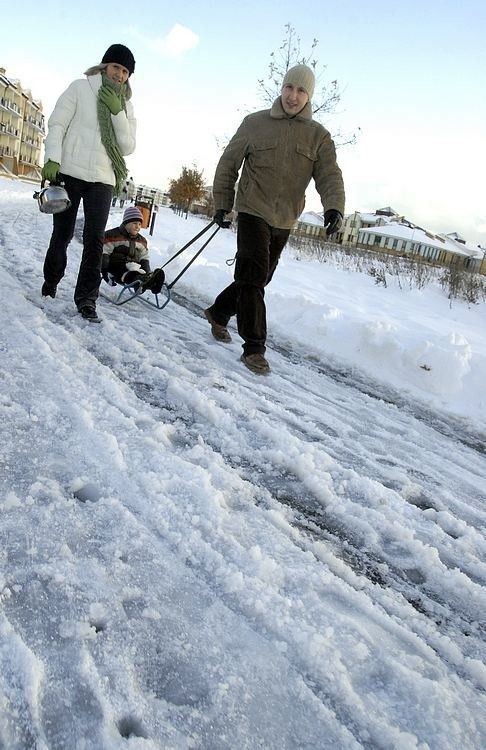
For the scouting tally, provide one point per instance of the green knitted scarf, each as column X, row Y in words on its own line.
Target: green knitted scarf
column 108, row 137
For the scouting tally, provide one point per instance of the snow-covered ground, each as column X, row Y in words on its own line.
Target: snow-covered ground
column 193, row 556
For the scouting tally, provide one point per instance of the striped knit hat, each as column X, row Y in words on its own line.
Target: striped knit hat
column 132, row 213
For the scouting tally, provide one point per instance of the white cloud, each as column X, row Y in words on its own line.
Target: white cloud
column 180, row 39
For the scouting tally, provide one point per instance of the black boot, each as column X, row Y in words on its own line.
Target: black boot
column 154, row 281
column 48, row 290
column 88, row 312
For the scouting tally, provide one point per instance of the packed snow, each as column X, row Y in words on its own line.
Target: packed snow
column 194, row 556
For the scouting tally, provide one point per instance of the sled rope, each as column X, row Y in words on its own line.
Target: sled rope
column 188, row 244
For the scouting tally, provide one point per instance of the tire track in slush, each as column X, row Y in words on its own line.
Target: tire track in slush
column 284, row 487
column 308, row 514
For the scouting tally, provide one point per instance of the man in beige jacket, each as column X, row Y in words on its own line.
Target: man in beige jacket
column 281, row 150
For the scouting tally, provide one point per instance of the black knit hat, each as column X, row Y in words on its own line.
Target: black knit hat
column 120, row 54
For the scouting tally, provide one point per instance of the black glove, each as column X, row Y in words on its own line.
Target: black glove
column 332, row 221
column 219, row 219
column 104, row 273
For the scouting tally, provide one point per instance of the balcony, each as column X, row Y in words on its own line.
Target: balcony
column 9, row 106
column 6, row 129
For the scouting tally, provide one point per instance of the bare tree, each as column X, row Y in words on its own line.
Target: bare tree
column 327, row 96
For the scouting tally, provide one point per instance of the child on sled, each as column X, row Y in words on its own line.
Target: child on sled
column 125, row 255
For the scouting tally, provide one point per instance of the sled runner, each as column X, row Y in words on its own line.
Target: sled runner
column 135, row 289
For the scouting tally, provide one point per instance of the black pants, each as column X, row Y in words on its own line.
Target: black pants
column 259, row 247
column 120, row 273
column 96, row 199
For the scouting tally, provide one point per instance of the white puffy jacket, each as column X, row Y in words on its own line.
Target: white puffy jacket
column 74, row 139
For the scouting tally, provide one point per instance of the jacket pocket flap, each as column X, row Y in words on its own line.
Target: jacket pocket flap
column 264, row 145
column 306, row 150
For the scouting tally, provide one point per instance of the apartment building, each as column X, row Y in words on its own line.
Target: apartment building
column 407, row 239
column 355, row 222
column 384, row 230
column 311, row 224
column 22, row 130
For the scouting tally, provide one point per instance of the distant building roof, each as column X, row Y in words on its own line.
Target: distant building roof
column 387, row 211
column 372, row 218
column 311, row 217
column 455, row 236
column 421, row 236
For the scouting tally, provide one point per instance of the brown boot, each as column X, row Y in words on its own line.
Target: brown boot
column 219, row 332
column 256, row 363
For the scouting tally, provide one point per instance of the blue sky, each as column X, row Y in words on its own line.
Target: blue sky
column 412, row 81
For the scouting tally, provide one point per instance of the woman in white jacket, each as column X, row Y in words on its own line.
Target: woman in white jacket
column 91, row 129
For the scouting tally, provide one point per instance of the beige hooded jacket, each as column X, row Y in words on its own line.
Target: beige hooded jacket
column 280, row 154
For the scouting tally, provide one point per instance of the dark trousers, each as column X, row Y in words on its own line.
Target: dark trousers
column 259, row 247
column 96, row 199
column 120, row 273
